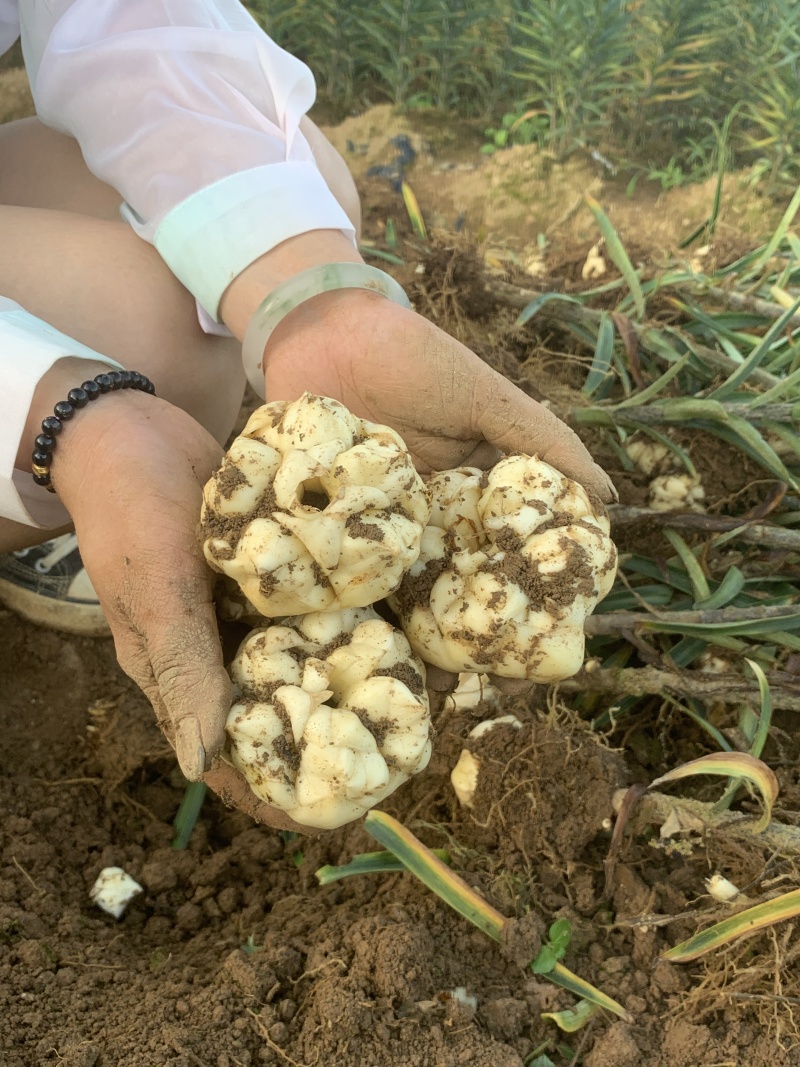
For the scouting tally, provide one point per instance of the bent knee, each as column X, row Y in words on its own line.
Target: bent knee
column 335, row 172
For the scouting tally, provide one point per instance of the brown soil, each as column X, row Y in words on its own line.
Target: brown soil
column 233, row 955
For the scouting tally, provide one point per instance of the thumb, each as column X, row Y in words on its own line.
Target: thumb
column 185, row 657
column 175, row 657
column 514, row 422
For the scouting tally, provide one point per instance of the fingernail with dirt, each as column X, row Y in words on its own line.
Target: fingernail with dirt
column 189, row 747
column 611, row 490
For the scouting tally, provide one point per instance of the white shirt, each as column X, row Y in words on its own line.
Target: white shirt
column 192, row 113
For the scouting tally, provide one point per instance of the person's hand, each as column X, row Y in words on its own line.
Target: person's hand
column 130, row 470
column 392, row 366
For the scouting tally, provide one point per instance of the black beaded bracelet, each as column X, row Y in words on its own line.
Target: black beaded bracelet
column 64, row 410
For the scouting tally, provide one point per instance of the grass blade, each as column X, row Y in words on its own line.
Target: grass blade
column 699, row 582
column 765, row 713
column 188, row 813
column 563, row 976
column 369, row 863
column 531, row 309
column 759, row 738
column 455, row 892
column 430, row 870
column 731, row 765
column 600, row 372
column 616, row 251
column 572, row 1019
column 757, row 356
column 727, row 590
column 368, row 252
column 655, row 387
column 743, row 435
column 414, row 213
column 784, row 907
column 774, row 243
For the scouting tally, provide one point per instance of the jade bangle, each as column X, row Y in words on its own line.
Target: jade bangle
column 295, row 291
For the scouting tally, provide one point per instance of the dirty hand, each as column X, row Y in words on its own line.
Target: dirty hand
column 131, row 471
column 390, row 365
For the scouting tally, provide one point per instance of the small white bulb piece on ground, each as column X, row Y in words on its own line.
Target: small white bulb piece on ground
column 512, row 563
column 676, row 492
column 595, row 265
column 464, row 776
column 472, row 689
column 113, row 890
column 314, row 509
column 650, row 457
column 331, row 715
column 720, row 888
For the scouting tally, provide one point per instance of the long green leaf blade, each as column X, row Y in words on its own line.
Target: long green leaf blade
column 430, row 870
column 784, row 907
column 455, row 892
column 369, row 863
column 616, row 251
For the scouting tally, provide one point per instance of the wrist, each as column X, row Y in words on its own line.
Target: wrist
column 247, row 291
column 89, row 447
column 53, row 386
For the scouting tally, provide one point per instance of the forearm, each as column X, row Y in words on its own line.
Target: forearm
column 133, row 82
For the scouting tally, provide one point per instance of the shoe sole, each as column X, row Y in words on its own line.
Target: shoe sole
column 71, row 617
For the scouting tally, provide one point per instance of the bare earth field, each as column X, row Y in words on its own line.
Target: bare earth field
column 233, row 955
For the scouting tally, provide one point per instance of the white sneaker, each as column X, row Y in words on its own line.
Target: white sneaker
column 48, row 585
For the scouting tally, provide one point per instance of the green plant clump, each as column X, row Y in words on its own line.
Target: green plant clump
column 650, row 83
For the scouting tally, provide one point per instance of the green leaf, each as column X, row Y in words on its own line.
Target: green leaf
column 692, row 567
column 783, row 226
column 455, row 892
column 745, row 436
column 370, row 863
column 430, row 870
column 560, row 934
column 729, row 588
column 756, row 357
column 545, row 961
column 378, row 253
column 655, row 387
column 616, row 251
column 765, row 712
column 531, row 309
column 188, row 813
column 414, row 213
column 600, row 372
column 572, row 1019
column 783, row 907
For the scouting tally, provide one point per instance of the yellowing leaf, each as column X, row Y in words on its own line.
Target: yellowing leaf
column 414, row 213
column 732, row 765
column 746, row 922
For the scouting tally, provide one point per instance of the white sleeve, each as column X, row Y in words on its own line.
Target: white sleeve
column 28, row 348
column 191, row 112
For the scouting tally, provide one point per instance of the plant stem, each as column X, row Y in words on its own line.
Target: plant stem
column 615, row 621
column 767, row 536
column 657, row 807
column 651, row 681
